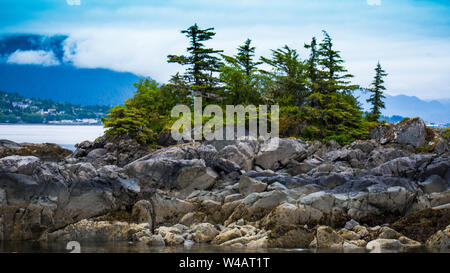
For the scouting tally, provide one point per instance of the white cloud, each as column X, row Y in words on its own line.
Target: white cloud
column 73, row 2
column 144, row 51
column 39, row 57
column 140, row 51
column 374, row 2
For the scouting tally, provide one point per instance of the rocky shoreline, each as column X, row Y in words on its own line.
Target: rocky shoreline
column 387, row 194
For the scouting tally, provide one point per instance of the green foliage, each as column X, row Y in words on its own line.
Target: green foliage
column 314, row 95
column 313, row 73
column 242, row 82
column 376, row 98
column 143, row 116
column 334, row 76
column 201, row 64
column 288, row 84
column 445, row 133
column 342, row 139
column 129, row 122
column 334, row 114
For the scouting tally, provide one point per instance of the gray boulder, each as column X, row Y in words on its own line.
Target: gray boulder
column 434, row 184
column 249, row 185
column 407, row 132
column 180, row 174
column 273, row 156
column 19, row 164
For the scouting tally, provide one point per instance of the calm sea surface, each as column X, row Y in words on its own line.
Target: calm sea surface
column 64, row 135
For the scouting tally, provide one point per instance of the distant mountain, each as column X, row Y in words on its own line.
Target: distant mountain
column 410, row 106
column 66, row 83
column 34, row 66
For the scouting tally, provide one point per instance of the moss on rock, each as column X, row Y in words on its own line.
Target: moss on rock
column 420, row 225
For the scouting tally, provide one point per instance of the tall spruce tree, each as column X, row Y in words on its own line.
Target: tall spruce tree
column 331, row 111
column 245, row 56
column 313, row 72
column 289, row 76
column 335, row 76
column 202, row 64
column 240, row 76
column 376, row 98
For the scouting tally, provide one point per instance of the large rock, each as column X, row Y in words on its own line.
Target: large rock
column 99, row 231
column 440, row 241
column 408, row 132
column 170, row 210
column 327, row 238
column 242, row 155
column 289, row 236
column 434, row 183
column 249, row 185
column 142, row 212
column 180, row 174
column 106, row 151
column 204, row 232
column 45, row 151
column 287, row 213
column 40, row 197
column 385, row 246
column 274, row 154
column 19, row 164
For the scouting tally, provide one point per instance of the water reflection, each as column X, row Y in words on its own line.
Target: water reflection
column 130, row 247
column 127, row 247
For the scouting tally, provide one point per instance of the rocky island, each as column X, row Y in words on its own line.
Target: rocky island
column 387, row 194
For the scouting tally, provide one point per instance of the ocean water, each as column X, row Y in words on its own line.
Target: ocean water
column 127, row 247
column 64, row 135
column 138, row 247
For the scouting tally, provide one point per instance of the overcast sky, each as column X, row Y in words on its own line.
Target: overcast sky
column 410, row 38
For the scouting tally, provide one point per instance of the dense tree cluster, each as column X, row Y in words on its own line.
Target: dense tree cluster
column 314, row 94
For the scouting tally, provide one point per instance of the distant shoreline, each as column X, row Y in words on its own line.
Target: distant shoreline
column 47, row 124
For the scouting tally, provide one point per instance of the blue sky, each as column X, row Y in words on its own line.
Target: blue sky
column 410, row 38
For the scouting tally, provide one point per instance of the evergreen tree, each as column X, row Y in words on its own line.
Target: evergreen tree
column 331, row 111
column 239, row 75
column 202, row 64
column 335, row 76
column 245, row 56
column 336, row 116
column 313, row 71
column 377, row 96
column 289, row 77
column 144, row 116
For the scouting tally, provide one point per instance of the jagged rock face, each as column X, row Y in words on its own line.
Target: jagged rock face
column 278, row 152
column 103, row 152
column 410, row 133
column 214, row 185
column 38, row 196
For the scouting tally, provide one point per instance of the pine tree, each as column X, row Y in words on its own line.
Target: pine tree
column 289, row 75
column 331, row 111
column 240, row 77
column 335, row 76
column 377, row 96
column 202, row 64
column 245, row 56
column 312, row 65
